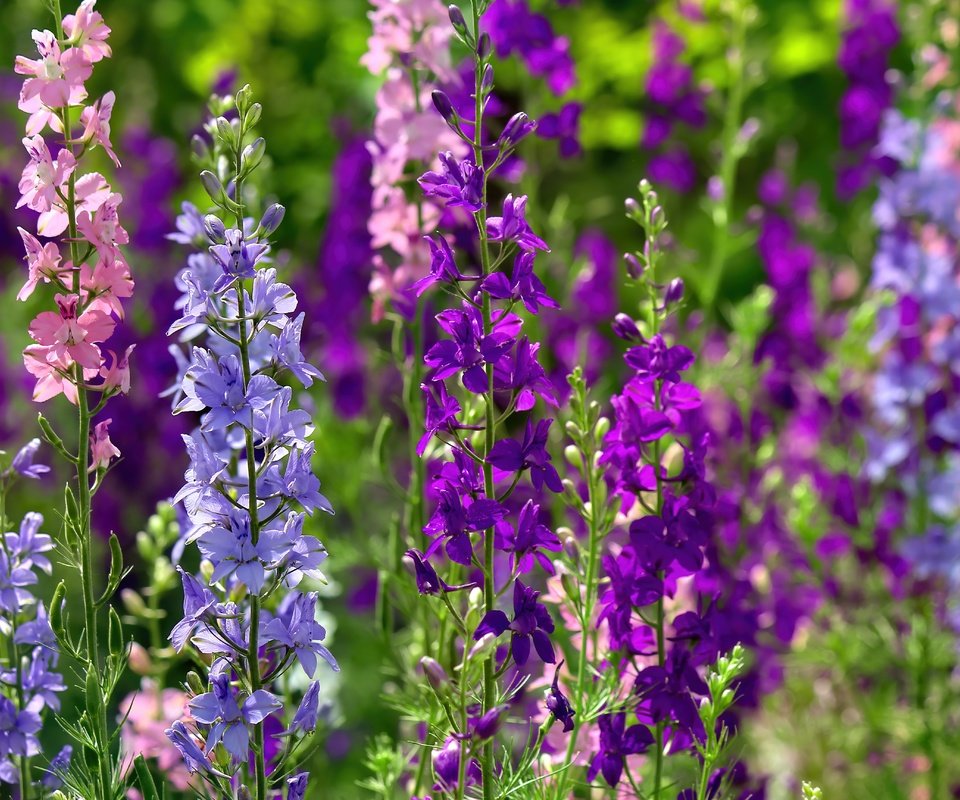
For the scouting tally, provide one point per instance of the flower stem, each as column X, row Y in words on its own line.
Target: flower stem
column 730, row 155
column 489, row 586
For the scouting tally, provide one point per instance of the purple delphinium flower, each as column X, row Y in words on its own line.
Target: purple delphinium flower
column 616, row 742
column 675, row 102
column 530, row 622
column 229, row 716
column 864, row 57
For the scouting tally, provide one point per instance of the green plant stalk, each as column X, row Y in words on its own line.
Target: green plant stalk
column 489, row 588
column 593, row 556
column 730, row 155
column 253, row 651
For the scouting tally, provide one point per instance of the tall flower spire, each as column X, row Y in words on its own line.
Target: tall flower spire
column 74, row 258
column 250, row 483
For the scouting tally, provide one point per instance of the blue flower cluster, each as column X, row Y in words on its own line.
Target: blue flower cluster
column 249, row 485
column 915, row 438
column 29, row 684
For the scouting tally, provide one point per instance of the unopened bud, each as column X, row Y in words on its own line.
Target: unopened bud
column 458, row 22
column 443, row 104
column 436, row 675
column 634, row 267
column 626, row 328
column 195, row 683
column 483, row 647
column 484, row 48
column 214, row 228
column 488, row 725
column 487, row 83
column 631, row 207
column 252, row 155
column 139, row 659
column 211, row 183
column 518, row 127
column 674, row 292
column 271, row 219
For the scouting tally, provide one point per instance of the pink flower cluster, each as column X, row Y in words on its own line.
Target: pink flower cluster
column 86, row 269
column 410, row 47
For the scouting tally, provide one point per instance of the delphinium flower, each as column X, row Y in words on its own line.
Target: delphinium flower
column 29, row 682
column 871, row 33
column 482, row 389
column 75, row 259
column 410, row 48
column 675, row 102
column 515, row 29
column 661, row 631
column 913, row 441
column 336, row 303
column 249, row 486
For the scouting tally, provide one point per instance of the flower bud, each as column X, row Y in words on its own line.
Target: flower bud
column 458, row 22
column 674, row 292
column 133, row 602
column 211, row 183
column 569, row 583
column 436, row 675
column 484, row 646
column 195, row 683
column 715, row 188
column 226, row 131
column 214, row 228
column 444, row 106
column 252, row 155
column 484, row 48
column 271, row 219
column 487, row 83
column 199, row 147
column 139, row 659
column 252, row 116
column 518, row 127
column 631, row 207
column 488, row 725
column 634, row 267
column 626, row 328
column 243, row 98
column 572, row 455
column 243, row 793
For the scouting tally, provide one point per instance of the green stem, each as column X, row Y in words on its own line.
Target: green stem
column 730, row 155
column 489, row 587
column 253, row 651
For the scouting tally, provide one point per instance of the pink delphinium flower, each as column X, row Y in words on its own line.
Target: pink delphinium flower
column 71, row 335
column 410, row 37
column 102, row 450
column 87, row 32
column 56, row 80
column 149, row 713
column 43, row 264
column 96, row 124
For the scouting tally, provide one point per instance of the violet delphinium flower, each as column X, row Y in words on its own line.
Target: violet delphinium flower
column 250, row 482
column 656, row 410
column 483, row 379
column 675, row 102
column 871, row 33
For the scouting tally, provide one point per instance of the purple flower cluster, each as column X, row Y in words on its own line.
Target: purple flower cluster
column 336, row 303
column 29, row 684
column 483, row 373
column 674, row 102
column 871, row 33
column 250, row 483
